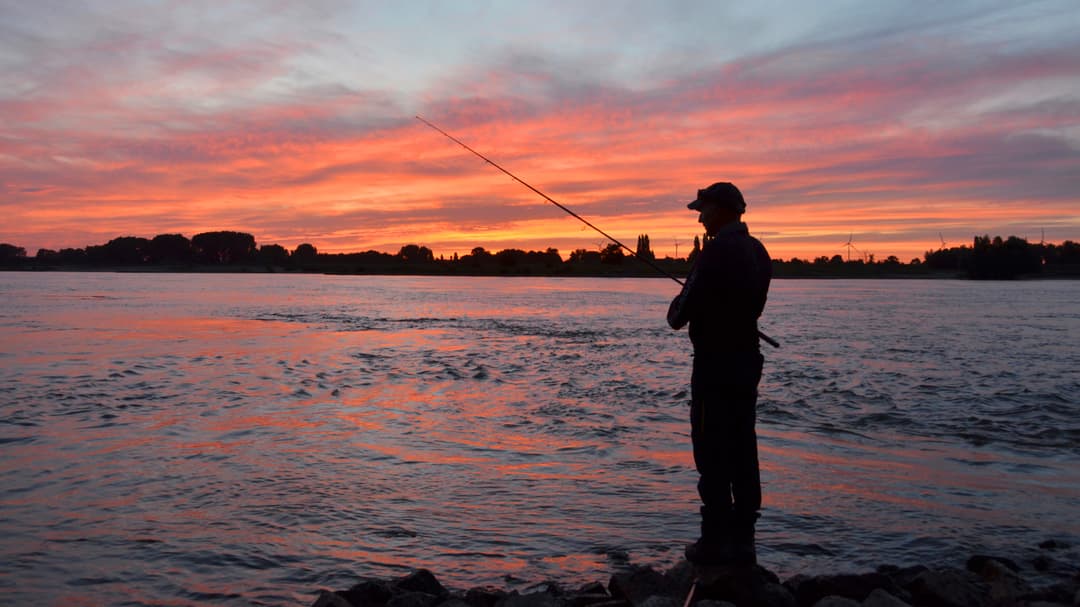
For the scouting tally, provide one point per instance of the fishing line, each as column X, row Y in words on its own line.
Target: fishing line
column 772, row 342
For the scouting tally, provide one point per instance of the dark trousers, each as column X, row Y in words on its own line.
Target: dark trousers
column 722, row 417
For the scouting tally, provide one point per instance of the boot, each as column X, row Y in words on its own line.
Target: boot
column 741, row 546
column 714, row 547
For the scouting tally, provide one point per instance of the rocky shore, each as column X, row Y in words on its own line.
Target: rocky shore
column 982, row 581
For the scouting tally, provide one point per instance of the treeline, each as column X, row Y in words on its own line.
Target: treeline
column 987, row 258
column 998, row 259
column 238, row 251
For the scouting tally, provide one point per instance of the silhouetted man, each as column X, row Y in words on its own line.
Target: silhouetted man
column 722, row 300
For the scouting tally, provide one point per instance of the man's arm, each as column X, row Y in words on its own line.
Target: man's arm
column 679, row 310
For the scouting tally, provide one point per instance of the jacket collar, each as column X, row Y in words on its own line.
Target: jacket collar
column 735, row 227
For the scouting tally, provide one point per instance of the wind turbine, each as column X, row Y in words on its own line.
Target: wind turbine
column 676, row 248
column 849, row 246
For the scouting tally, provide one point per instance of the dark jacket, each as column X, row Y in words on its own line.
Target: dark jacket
column 724, row 293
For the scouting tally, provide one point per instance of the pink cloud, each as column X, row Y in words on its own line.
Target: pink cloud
column 895, row 143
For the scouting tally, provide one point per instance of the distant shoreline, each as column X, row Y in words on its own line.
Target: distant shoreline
column 904, row 273
column 237, row 252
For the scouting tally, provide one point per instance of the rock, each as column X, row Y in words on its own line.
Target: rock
column 1006, row 586
column 949, row 588
column 552, row 588
column 809, row 590
column 745, row 587
column 592, row 588
column 612, row 603
column 976, row 563
column 421, row 580
column 773, row 594
column 413, row 599
column 369, row 593
column 882, row 598
column 454, row 602
column 660, row 601
column 590, row 599
column 682, row 573
column 537, row 599
column 712, row 603
column 640, row 583
column 485, row 596
column 836, row 601
column 330, row 599
column 902, row 576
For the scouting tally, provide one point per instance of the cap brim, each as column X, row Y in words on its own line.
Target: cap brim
column 695, row 205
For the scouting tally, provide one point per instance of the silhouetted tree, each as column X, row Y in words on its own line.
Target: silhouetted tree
column 224, row 247
column 612, row 254
column 95, row 254
column 644, row 251
column 509, row 258
column 1002, row 259
column 72, row 256
column 412, row 253
column 170, row 248
column 583, row 256
column 550, row 258
column 479, row 257
column 273, row 255
column 10, row 252
column 1065, row 254
column 305, row 252
column 127, row 251
column 946, row 259
column 47, row 255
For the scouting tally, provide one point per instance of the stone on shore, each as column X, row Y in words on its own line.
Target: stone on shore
column 987, row 581
column 1006, row 585
column 484, row 596
column 640, row 583
column 949, row 588
column 809, row 590
column 883, row 598
column 331, row 599
column 837, row 601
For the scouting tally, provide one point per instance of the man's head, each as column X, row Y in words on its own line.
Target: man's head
column 719, row 204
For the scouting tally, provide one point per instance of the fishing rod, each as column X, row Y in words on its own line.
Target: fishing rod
column 772, row 342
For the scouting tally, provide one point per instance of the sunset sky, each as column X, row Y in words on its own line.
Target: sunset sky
column 896, row 124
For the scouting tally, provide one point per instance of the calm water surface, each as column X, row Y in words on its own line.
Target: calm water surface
column 245, row 439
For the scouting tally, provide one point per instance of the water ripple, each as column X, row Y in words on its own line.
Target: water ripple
column 273, row 434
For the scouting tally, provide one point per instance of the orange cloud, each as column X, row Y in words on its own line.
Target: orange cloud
column 894, row 148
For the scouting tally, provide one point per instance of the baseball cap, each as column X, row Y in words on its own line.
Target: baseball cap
column 721, row 192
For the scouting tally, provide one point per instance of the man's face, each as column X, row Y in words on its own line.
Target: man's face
column 715, row 216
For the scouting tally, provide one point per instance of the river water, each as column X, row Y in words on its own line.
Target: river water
column 176, row 439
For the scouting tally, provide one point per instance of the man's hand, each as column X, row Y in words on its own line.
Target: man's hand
column 675, row 317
